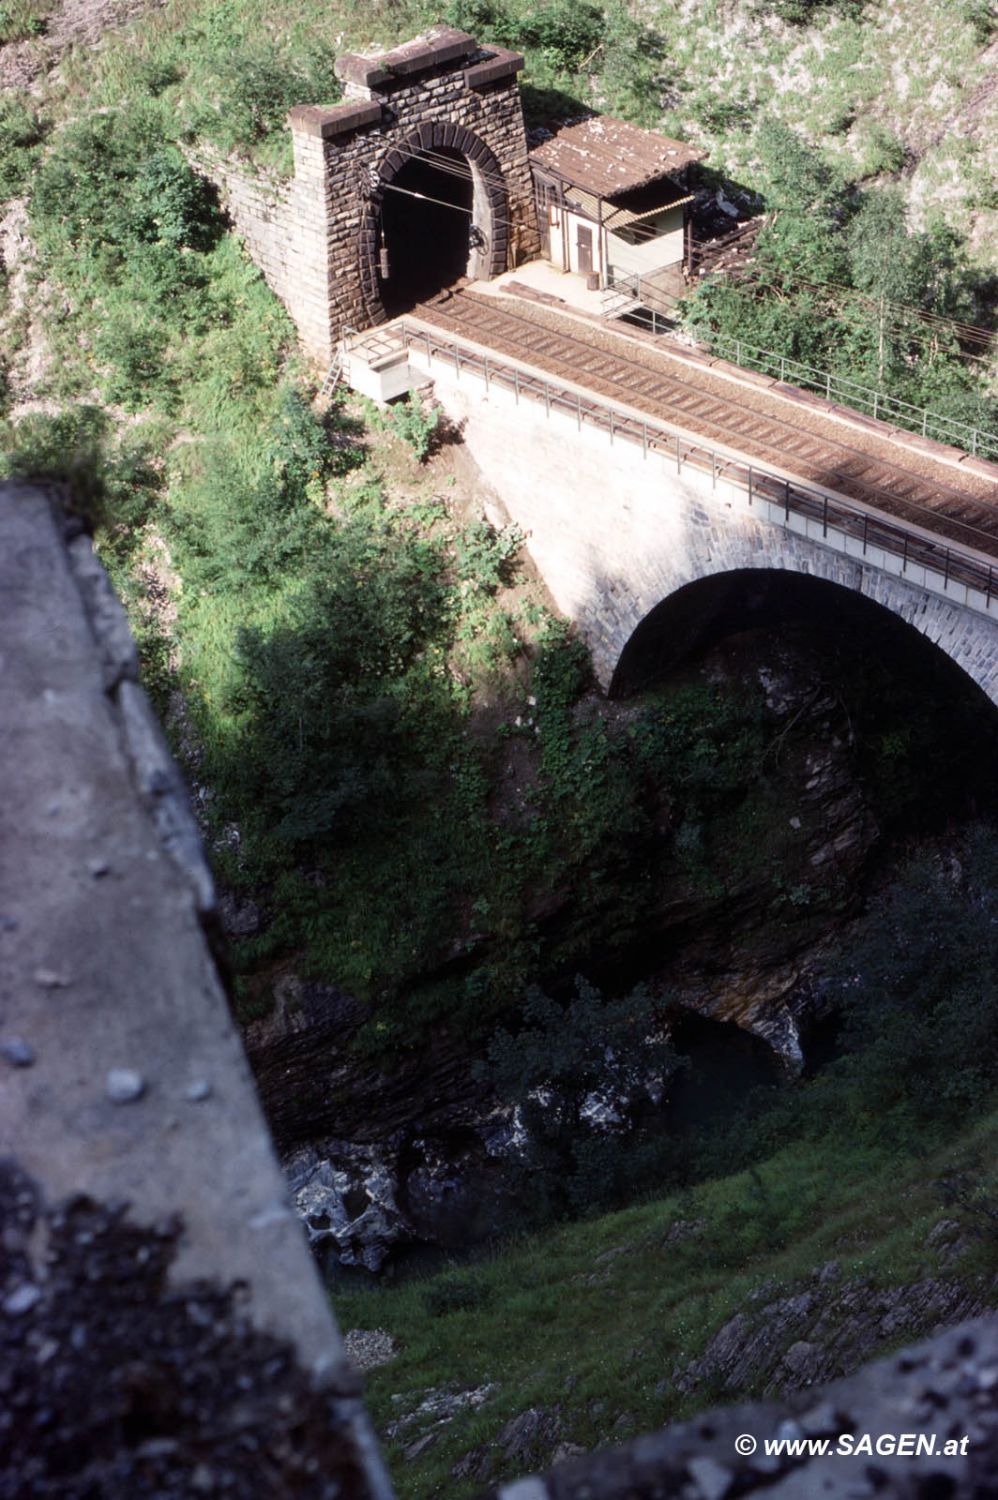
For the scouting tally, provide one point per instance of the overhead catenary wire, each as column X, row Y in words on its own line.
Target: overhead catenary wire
column 457, row 169
column 454, row 169
column 895, row 310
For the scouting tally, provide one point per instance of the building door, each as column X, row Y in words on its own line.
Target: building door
column 584, row 248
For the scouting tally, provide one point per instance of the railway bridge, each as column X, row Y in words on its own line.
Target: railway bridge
column 657, row 485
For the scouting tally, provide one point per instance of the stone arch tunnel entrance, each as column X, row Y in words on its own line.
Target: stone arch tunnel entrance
column 426, row 229
column 439, row 212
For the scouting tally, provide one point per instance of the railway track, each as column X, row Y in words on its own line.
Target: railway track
column 765, row 426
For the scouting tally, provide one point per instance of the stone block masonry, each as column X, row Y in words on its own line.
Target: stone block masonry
column 315, row 239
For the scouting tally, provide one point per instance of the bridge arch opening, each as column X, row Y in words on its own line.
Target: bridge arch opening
column 438, row 212
column 697, row 616
column 924, row 733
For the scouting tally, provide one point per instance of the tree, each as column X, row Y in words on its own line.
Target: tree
column 809, row 203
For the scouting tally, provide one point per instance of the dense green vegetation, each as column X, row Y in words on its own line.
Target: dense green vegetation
column 397, row 748
column 842, row 284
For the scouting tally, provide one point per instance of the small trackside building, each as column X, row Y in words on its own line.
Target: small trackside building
column 612, row 205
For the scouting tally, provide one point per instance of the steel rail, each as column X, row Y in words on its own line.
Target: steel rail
column 461, row 309
column 953, row 564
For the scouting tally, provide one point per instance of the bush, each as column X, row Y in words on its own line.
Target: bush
column 22, row 19
column 883, row 152
column 321, row 692
column 982, row 17
column 485, row 556
column 255, row 89
column 175, row 206
column 21, row 133
column 921, row 1021
column 417, row 424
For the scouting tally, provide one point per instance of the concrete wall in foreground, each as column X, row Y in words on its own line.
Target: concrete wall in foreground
column 122, row 1075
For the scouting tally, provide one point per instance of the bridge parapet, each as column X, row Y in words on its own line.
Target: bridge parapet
column 621, row 511
column 157, row 1292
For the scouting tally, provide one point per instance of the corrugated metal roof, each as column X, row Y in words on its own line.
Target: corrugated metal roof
column 608, row 156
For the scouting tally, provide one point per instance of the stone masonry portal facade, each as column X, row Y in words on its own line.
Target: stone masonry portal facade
column 440, row 104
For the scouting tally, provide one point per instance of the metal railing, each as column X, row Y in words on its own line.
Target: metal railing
column 624, row 289
column 950, row 562
column 877, row 404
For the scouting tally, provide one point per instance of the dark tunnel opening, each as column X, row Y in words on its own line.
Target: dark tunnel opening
column 426, row 219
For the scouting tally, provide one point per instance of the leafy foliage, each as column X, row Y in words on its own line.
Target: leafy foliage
column 841, row 282
column 22, row 131
column 417, row 424
column 321, row 694
column 485, row 556
column 921, row 1022
column 22, row 19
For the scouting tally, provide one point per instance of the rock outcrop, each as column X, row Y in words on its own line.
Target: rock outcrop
column 919, row 1425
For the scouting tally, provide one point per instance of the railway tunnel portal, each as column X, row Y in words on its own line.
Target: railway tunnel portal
column 438, row 213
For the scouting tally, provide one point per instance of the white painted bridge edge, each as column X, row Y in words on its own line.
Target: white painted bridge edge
column 611, row 546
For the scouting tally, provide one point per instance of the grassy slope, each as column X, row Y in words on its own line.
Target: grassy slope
column 908, row 70
column 595, row 1316
column 913, row 72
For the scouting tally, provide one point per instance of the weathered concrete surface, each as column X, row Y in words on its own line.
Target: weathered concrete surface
column 614, row 533
column 121, row 1072
column 946, row 1388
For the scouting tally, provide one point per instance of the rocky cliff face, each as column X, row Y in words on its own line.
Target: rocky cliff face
column 746, row 902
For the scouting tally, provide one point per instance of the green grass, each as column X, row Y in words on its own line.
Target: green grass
column 20, row 20
column 175, row 367
column 544, row 1334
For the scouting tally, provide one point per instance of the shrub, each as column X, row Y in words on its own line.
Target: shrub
column 21, row 133
column 883, row 152
column 257, row 86
column 174, row 205
column 485, row 556
column 23, row 19
column 417, row 424
column 982, row 18
column 321, row 692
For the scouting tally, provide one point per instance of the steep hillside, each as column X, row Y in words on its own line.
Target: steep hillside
column 423, row 811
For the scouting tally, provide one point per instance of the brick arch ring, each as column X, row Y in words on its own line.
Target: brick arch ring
column 487, row 180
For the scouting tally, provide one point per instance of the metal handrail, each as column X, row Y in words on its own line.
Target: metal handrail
column 975, row 440
column 953, row 563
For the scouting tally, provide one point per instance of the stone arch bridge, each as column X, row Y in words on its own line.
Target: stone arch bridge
column 640, row 472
